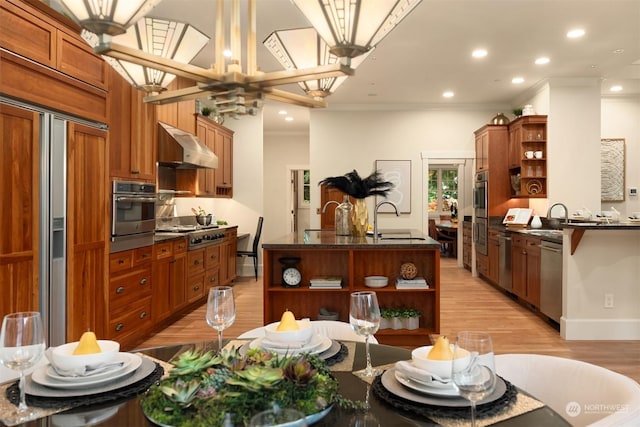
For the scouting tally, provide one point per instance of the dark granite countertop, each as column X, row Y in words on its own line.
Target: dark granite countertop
column 163, row 236
column 321, row 239
column 602, row 225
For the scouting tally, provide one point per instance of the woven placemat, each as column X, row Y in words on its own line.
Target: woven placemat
column 512, row 403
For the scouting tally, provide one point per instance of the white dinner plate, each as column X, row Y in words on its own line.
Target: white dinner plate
column 390, row 383
column 111, row 373
column 40, row 376
column 316, row 345
column 445, row 390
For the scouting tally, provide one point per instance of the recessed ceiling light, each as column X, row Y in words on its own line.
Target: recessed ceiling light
column 479, row 53
column 448, row 94
column 542, row 60
column 282, row 112
column 574, row 34
column 618, row 51
column 517, row 80
column 289, row 119
column 616, row 88
column 227, row 53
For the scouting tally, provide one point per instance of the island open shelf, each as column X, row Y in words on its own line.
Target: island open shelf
column 352, row 259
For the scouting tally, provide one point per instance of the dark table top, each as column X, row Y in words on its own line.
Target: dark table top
column 128, row 413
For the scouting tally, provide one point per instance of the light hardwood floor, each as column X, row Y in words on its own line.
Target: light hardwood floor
column 465, row 303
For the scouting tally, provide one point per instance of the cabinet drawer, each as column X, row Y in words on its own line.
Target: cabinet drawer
column 136, row 318
column 195, row 262
column 179, row 246
column 212, row 278
column 129, row 287
column 212, row 257
column 482, row 264
column 162, row 250
column 195, row 287
column 120, row 261
column 142, row 255
column 533, row 246
column 518, row 240
column 493, row 234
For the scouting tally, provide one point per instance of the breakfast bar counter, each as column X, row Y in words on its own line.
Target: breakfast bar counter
column 313, row 273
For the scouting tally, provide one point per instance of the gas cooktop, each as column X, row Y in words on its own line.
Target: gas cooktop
column 185, row 228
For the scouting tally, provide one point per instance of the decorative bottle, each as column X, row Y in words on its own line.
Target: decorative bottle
column 536, row 222
column 343, row 217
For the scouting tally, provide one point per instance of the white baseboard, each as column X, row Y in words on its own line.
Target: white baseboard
column 600, row 329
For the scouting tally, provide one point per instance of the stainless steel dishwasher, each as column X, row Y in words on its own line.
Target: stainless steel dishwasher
column 551, row 279
column 504, row 260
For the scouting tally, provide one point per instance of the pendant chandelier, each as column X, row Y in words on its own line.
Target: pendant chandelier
column 350, row 28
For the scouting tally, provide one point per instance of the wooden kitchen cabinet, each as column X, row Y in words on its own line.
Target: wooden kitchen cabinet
column 132, row 148
column 169, row 277
column 352, row 265
column 129, row 303
column 179, row 114
column 467, row 238
column 493, row 268
column 19, row 198
column 525, row 268
column 195, row 275
column 528, row 133
column 215, row 182
column 228, row 255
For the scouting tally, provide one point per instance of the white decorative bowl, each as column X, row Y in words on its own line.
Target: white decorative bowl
column 376, row 281
column 442, row 368
column 303, row 334
column 64, row 359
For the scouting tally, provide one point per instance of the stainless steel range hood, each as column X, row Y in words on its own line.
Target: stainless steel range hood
column 182, row 150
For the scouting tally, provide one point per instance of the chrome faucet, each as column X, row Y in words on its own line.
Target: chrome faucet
column 375, row 216
column 324, row 208
column 554, row 221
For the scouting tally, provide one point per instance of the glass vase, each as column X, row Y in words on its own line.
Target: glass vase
column 343, row 217
column 359, row 218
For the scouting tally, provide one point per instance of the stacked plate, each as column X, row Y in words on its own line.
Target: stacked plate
column 317, row 344
column 47, row 376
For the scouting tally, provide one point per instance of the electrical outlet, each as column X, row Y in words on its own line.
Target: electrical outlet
column 608, row 300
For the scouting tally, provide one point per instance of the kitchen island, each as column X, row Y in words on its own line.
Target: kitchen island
column 348, row 260
column 601, row 292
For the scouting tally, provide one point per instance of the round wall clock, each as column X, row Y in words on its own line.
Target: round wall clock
column 291, row 275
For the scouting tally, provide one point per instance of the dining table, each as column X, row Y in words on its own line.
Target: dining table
column 385, row 408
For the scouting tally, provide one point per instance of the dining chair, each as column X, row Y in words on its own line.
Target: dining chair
column 582, row 393
column 253, row 253
column 333, row 329
column 448, row 244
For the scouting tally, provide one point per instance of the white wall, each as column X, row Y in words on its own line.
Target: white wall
column 341, row 141
column 621, row 119
column 282, row 153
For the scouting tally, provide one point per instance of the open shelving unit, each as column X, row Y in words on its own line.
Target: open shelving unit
column 528, row 133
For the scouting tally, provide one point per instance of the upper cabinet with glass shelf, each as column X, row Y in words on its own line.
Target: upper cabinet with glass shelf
column 528, row 156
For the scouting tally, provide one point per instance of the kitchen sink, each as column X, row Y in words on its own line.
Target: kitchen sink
column 543, row 233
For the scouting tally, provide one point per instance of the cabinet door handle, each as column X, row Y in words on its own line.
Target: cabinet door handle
column 196, row 288
column 143, row 281
column 120, row 290
column 173, row 261
column 143, row 314
column 196, row 262
column 119, row 327
column 212, row 280
column 121, row 261
column 135, row 172
column 164, row 250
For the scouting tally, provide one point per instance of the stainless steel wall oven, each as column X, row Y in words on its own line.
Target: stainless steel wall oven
column 481, row 224
column 133, row 215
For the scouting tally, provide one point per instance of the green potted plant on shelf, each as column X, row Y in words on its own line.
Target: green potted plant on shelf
column 386, row 314
column 206, row 111
column 411, row 318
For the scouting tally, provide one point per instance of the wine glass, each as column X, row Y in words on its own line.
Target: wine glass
column 21, row 346
column 364, row 316
column 221, row 310
column 278, row 417
column 473, row 367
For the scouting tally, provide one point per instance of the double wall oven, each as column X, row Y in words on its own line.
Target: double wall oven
column 480, row 207
column 133, row 215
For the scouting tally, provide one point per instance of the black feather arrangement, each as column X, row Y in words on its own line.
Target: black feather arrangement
column 351, row 184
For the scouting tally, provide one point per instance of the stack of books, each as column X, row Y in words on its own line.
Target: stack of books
column 325, row 282
column 417, row 283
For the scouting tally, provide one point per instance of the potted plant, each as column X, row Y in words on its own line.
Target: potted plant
column 411, row 318
column 206, row 111
column 396, row 319
column 386, row 315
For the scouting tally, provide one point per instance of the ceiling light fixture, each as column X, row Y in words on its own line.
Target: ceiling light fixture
column 354, row 27
column 542, row 60
column 156, row 36
column 577, row 33
column 349, row 32
column 479, row 53
column 303, row 48
column 448, row 94
column 615, row 88
column 517, row 80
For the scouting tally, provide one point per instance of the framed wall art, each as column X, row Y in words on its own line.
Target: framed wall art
column 612, row 168
column 399, row 173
